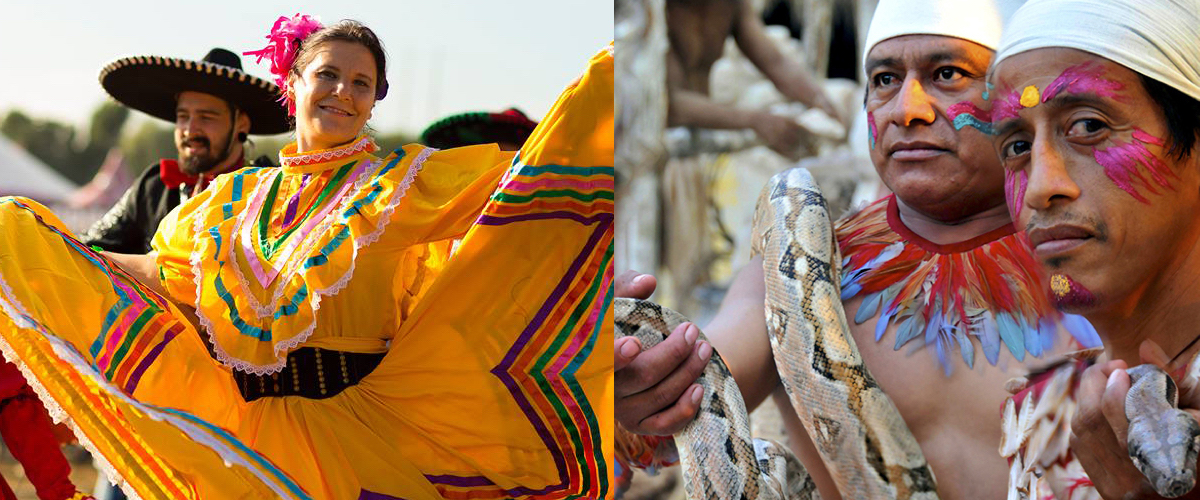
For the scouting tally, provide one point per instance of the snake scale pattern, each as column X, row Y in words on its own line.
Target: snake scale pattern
column 860, row 435
column 1163, row 440
column 720, row 459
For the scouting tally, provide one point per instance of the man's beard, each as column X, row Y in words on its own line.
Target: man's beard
column 196, row 164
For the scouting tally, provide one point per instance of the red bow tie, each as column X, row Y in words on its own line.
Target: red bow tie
column 173, row 177
column 169, row 171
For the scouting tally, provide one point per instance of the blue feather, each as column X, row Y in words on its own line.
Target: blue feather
column 889, row 296
column 882, row 324
column 1048, row 332
column 909, row 329
column 966, row 347
column 934, row 326
column 849, row 276
column 941, row 353
column 1082, row 329
column 1032, row 342
column 933, row 335
column 868, row 308
column 850, row 279
column 985, row 327
column 1011, row 334
column 849, row 291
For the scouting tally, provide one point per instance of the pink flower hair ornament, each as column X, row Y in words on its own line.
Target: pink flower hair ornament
column 284, row 42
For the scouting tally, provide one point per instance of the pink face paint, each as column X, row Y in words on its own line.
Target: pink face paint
column 966, row 113
column 1141, row 135
column 1069, row 294
column 1121, row 163
column 871, row 128
column 1014, row 191
column 1007, row 106
column 1083, row 78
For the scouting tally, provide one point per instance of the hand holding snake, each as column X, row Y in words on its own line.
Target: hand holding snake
column 1129, row 434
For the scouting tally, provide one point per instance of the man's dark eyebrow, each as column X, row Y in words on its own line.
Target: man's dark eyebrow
column 1064, row 99
column 934, row 58
column 202, row 111
column 941, row 57
column 1006, row 126
column 873, row 64
column 958, row 58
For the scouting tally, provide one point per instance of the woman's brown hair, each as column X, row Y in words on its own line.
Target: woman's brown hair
column 345, row 31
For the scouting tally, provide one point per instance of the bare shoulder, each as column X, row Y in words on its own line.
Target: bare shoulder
column 698, row 30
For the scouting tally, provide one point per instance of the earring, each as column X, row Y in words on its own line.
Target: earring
column 241, row 137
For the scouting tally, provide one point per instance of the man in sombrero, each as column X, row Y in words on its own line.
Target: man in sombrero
column 214, row 105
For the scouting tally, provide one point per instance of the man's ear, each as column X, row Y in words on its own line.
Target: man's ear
column 243, row 124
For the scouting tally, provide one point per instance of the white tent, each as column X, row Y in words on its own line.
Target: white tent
column 24, row 175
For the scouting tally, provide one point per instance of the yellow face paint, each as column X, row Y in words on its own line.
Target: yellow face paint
column 1030, row 97
column 1070, row 294
column 1059, row 285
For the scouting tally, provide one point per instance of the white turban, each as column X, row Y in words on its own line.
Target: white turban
column 1157, row 38
column 979, row 21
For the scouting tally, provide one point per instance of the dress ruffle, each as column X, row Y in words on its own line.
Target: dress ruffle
column 92, row 389
column 254, row 335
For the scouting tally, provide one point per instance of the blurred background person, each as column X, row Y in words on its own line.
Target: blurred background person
column 214, row 105
column 508, row 129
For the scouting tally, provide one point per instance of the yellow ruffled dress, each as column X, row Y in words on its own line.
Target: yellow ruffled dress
column 496, row 381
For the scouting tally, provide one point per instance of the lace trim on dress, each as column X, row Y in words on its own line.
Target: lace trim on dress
column 364, row 144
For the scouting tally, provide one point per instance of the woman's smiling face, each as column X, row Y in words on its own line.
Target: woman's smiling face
column 334, row 95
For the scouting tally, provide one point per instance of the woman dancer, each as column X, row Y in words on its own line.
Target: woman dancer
column 338, row 349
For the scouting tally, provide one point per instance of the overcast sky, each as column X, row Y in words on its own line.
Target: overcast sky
column 444, row 56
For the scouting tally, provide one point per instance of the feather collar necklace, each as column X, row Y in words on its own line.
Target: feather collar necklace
column 987, row 290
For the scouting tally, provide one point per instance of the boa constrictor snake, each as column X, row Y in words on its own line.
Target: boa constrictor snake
column 1163, row 440
column 860, row 435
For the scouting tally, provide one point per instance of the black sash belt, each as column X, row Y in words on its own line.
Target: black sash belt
column 311, row 372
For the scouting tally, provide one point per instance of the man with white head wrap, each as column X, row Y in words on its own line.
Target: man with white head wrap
column 941, row 252
column 1097, row 113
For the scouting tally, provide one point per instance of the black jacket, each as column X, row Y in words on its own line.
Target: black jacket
column 129, row 225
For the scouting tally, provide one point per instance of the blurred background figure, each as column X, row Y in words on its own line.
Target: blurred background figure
column 752, row 88
column 508, row 129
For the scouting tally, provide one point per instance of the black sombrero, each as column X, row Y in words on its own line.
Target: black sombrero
column 465, row 129
column 150, row 84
